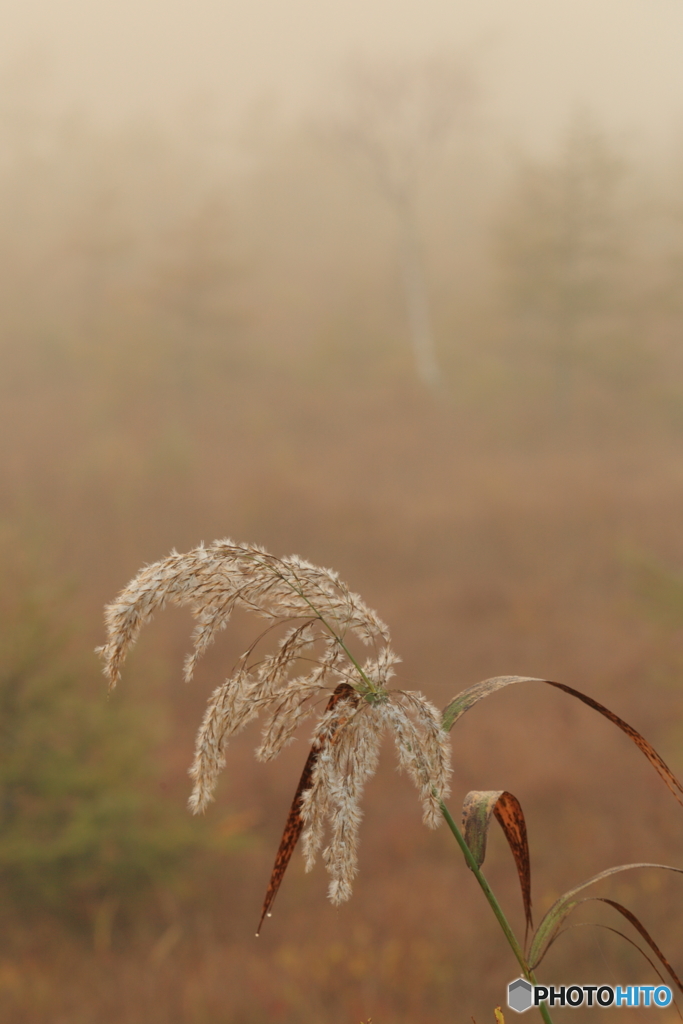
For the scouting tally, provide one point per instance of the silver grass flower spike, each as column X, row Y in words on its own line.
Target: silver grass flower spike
column 319, row 615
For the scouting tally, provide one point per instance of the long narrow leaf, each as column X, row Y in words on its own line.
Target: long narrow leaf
column 477, row 809
column 471, row 696
column 294, row 824
column 563, row 906
column 615, row 931
column 632, row 919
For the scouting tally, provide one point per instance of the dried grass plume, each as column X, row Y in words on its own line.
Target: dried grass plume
column 318, row 618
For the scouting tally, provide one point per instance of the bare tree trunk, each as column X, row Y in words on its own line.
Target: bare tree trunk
column 417, row 302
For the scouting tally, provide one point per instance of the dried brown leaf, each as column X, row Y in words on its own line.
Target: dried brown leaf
column 477, row 809
column 294, row 824
column 640, row 928
column 615, row 931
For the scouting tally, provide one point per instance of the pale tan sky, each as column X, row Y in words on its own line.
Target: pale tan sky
column 624, row 58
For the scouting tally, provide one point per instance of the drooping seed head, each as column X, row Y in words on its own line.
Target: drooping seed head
column 320, row 615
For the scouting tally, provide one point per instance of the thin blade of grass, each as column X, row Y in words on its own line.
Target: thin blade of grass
column 563, row 906
column 615, row 931
column 477, row 809
column 640, row 928
column 295, row 823
column 471, row 696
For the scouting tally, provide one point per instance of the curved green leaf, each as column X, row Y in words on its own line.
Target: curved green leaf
column 549, row 926
column 471, row 696
column 477, row 809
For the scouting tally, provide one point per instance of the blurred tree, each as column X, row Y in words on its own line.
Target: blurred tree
column 191, row 285
column 668, row 288
column 561, row 241
column 26, row 135
column 98, row 244
column 397, row 118
column 82, row 824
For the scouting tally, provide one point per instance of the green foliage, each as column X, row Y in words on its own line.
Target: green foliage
column 81, row 818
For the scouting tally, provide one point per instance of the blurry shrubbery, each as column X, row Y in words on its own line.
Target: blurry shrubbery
column 83, row 820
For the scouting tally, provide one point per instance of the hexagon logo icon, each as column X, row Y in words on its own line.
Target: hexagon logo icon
column 520, row 995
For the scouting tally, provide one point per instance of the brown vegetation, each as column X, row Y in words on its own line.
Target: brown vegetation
column 192, row 349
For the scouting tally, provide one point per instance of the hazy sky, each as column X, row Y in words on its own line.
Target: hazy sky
column 624, row 58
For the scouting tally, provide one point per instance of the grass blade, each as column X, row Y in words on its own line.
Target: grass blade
column 615, row 931
column 290, row 837
column 294, row 824
column 640, row 928
column 477, row 809
column 471, row 696
column 466, row 699
column 562, row 907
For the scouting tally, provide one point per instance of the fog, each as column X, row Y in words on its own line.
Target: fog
column 399, row 290
column 540, row 58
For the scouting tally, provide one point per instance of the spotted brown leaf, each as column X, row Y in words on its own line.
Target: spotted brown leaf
column 477, row 810
column 295, row 823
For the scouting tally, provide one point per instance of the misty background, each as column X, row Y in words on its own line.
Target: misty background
column 397, row 288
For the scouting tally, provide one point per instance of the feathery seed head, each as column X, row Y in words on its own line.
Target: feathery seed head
column 321, row 614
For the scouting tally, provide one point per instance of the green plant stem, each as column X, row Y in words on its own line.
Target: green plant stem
column 495, row 906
